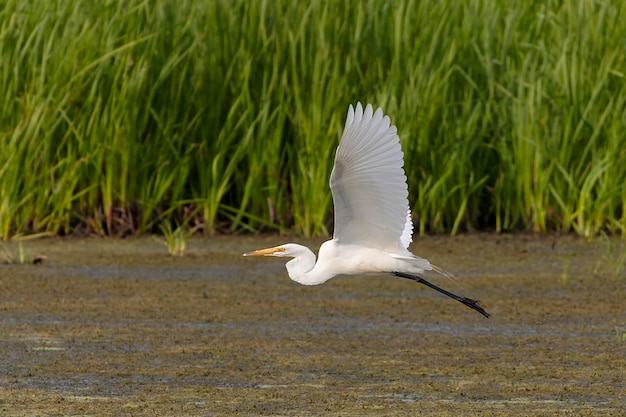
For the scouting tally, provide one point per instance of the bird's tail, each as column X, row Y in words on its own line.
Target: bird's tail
column 459, row 283
column 445, row 273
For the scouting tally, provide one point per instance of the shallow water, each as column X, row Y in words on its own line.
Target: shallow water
column 118, row 327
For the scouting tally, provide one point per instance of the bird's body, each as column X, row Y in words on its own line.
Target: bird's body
column 373, row 227
column 350, row 259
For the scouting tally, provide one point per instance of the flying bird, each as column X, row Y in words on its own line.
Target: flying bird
column 373, row 226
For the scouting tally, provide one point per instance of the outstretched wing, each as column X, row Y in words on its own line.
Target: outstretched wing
column 368, row 183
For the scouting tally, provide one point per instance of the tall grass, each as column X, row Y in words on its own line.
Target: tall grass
column 126, row 116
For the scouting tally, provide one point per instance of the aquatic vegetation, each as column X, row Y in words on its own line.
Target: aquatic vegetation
column 620, row 333
column 9, row 257
column 19, row 255
column 176, row 238
column 512, row 115
column 611, row 256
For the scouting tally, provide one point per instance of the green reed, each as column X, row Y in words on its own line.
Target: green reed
column 224, row 115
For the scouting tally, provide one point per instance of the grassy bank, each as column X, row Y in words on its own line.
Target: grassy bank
column 224, row 114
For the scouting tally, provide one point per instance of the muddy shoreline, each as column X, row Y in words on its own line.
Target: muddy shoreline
column 118, row 327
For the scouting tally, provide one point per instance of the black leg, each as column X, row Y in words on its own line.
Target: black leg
column 473, row 304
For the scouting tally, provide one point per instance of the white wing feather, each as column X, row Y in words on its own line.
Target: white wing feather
column 368, row 183
column 407, row 233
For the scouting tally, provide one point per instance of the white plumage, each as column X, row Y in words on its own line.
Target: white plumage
column 368, row 183
column 373, row 227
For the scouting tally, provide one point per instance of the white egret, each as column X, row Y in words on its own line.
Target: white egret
column 373, row 227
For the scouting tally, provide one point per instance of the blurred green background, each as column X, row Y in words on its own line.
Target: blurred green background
column 124, row 117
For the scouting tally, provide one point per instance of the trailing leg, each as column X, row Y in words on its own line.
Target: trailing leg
column 473, row 304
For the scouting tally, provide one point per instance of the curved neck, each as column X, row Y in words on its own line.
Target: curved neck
column 302, row 268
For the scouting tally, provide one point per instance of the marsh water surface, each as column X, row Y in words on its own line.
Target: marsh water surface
column 118, row 327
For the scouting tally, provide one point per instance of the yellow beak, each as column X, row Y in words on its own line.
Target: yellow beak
column 264, row 252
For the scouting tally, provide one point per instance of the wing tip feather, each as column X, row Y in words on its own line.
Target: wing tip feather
column 384, row 157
